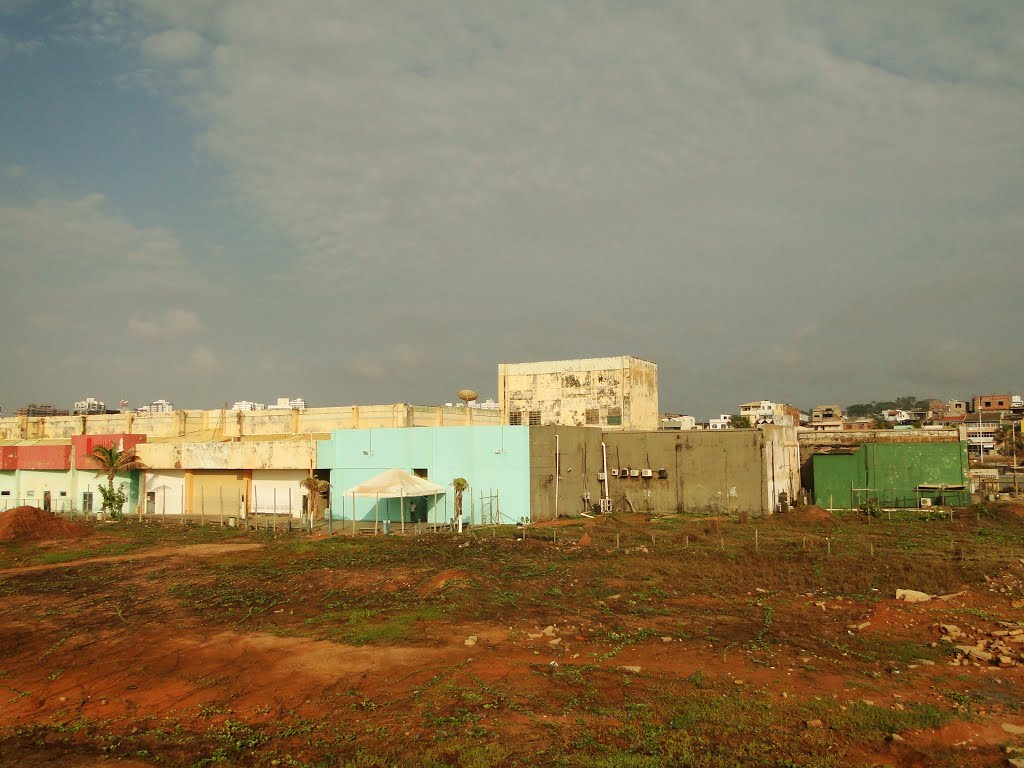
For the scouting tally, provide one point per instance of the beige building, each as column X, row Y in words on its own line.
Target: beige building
column 615, row 393
column 235, row 424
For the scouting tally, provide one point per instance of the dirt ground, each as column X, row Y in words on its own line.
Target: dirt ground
column 659, row 642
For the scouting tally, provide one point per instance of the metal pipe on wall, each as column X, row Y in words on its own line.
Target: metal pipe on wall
column 557, row 473
column 604, row 467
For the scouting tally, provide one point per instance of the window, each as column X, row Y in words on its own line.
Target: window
column 593, row 416
column 5, row 493
column 63, row 493
column 420, row 473
column 534, row 418
column 515, row 418
column 988, row 403
column 31, row 494
column 614, row 417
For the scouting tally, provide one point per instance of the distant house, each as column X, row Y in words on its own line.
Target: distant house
column 678, row 421
column 982, row 403
column 724, row 421
column 767, row 412
column 826, row 418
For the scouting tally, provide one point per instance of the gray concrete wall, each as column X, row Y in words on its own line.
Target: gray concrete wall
column 580, row 452
column 706, row 471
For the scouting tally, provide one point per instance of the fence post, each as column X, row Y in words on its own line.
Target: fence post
column 757, row 545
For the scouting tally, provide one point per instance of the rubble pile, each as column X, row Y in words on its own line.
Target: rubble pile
column 1002, row 647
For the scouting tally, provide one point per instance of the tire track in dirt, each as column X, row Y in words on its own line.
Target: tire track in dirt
column 189, row 551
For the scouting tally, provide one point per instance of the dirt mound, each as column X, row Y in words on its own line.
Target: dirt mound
column 34, row 524
column 811, row 514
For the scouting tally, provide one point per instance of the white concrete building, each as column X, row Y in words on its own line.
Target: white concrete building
column 618, row 393
column 724, row 421
column 247, row 405
column 157, row 406
column 285, row 403
column 680, row 422
column 89, row 405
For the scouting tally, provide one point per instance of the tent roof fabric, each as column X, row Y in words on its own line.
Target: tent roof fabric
column 395, row 483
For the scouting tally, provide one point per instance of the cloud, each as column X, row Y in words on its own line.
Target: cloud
column 202, row 360
column 172, row 46
column 173, row 324
column 711, row 181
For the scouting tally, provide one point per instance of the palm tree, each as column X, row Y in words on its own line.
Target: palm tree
column 113, row 461
column 317, row 489
column 1009, row 440
column 460, row 485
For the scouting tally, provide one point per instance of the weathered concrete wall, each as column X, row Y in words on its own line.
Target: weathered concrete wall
column 613, row 389
column 218, row 424
column 578, row 488
column 714, row 471
column 251, row 454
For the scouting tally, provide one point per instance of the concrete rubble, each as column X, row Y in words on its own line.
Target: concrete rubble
column 998, row 647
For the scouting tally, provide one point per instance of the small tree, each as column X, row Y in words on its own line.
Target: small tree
column 112, row 462
column 739, row 422
column 460, row 485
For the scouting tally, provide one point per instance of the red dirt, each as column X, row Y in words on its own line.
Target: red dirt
column 1017, row 510
column 811, row 514
column 193, row 550
column 34, row 524
column 442, row 579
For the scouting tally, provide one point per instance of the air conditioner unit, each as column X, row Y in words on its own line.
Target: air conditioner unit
column 634, row 473
column 615, row 473
column 926, row 502
column 606, row 505
column 601, row 476
column 646, row 473
column 624, row 472
column 663, row 474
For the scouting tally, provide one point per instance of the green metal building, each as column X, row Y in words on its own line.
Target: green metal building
column 894, row 474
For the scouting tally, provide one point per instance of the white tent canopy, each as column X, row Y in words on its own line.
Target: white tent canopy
column 394, row 484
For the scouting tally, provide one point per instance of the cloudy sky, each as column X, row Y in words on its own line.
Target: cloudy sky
column 361, row 202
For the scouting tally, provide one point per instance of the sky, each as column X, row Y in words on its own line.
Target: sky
column 811, row 201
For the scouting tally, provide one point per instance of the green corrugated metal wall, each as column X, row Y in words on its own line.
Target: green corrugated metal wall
column 891, row 472
column 834, row 477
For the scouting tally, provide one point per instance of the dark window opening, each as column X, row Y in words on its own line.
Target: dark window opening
column 515, row 418
column 614, row 417
column 534, row 418
column 593, row 416
column 421, row 473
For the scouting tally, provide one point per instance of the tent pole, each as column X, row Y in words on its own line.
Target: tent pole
column 401, row 509
column 376, row 513
column 353, row 514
